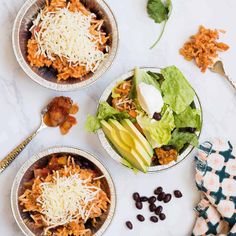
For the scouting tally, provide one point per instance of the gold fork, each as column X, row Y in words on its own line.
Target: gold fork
column 5, row 162
column 218, row 67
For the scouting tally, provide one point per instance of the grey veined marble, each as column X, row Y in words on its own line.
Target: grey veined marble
column 21, row 101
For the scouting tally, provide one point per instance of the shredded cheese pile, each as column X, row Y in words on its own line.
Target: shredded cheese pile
column 66, row 198
column 67, row 35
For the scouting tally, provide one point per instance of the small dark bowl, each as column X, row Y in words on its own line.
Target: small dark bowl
column 45, row 76
column 40, row 160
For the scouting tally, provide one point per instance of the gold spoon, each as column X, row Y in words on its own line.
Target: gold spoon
column 218, row 67
column 5, row 162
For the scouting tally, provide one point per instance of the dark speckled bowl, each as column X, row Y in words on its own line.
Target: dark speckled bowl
column 47, row 77
column 40, row 160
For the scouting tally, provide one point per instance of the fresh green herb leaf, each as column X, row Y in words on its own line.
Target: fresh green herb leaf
column 177, row 91
column 159, row 12
column 179, row 139
column 188, row 118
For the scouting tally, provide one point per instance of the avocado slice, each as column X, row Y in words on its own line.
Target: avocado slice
column 129, row 140
column 128, row 125
column 127, row 153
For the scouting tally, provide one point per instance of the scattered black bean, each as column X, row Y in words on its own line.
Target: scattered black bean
column 154, row 219
column 152, row 207
column 139, row 205
column 158, row 210
column 136, row 197
column 144, row 199
column 161, row 196
column 129, row 225
column 162, row 216
column 158, row 190
column 157, row 116
column 152, row 199
column 167, row 198
column 178, row 194
column 140, row 218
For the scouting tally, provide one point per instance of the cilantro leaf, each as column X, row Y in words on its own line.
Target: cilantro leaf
column 159, row 12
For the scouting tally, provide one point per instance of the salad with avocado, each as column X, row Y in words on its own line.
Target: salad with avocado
column 150, row 118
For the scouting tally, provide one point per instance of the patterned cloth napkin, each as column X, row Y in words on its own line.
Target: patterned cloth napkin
column 216, row 179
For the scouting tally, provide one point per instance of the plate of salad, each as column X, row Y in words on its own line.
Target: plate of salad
column 149, row 119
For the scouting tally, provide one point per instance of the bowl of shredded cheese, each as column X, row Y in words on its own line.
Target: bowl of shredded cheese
column 63, row 191
column 65, row 45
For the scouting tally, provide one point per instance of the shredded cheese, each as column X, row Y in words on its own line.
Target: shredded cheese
column 67, row 35
column 66, row 198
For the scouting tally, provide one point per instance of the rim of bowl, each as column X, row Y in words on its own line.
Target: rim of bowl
column 65, row 87
column 108, row 147
column 16, row 184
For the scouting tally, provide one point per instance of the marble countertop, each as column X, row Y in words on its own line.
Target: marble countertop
column 21, row 101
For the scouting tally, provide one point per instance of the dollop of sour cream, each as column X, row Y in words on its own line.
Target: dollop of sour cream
column 149, row 98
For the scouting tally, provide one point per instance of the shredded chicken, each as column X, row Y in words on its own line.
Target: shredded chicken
column 203, row 47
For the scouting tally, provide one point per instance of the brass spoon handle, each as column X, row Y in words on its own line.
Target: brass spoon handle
column 14, row 153
column 231, row 81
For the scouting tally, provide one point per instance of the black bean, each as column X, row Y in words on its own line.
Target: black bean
column 85, row 164
column 157, row 116
column 136, row 197
column 158, row 210
column 162, row 216
column 167, row 198
column 161, row 196
column 140, row 218
column 158, row 190
column 192, row 130
column 152, row 199
column 152, row 207
column 139, row 205
column 178, row 194
column 144, row 199
column 167, row 147
column 129, row 225
column 154, row 219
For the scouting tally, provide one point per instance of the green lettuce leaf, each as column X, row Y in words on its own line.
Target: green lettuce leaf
column 188, row 118
column 141, row 75
column 179, row 139
column 177, row 91
column 105, row 112
column 92, row 124
column 158, row 133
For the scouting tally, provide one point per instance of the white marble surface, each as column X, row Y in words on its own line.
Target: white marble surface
column 21, row 101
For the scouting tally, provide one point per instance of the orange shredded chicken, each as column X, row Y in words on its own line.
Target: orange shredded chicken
column 203, row 47
column 165, row 157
